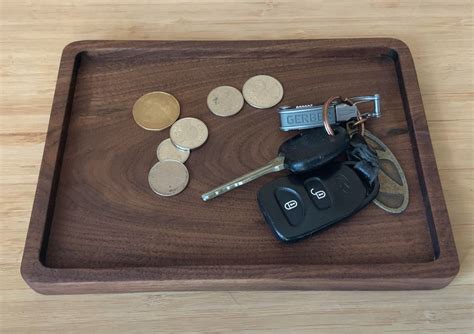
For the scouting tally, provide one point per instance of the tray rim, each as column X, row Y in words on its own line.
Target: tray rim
column 394, row 276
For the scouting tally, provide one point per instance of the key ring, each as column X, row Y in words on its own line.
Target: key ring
column 360, row 119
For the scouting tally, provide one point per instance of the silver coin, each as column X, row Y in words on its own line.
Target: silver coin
column 262, row 91
column 167, row 151
column 168, row 178
column 225, row 101
column 188, row 133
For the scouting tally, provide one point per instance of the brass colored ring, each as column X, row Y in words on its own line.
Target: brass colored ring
column 360, row 121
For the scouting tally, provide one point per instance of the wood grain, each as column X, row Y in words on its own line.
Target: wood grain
column 97, row 227
column 33, row 35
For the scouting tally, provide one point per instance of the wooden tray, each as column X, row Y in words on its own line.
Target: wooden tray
column 97, row 227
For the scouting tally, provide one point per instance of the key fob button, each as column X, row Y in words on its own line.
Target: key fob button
column 318, row 193
column 291, row 204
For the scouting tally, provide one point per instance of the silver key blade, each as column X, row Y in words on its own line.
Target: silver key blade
column 275, row 165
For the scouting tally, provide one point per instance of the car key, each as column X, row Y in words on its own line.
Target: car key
column 306, row 151
column 297, row 206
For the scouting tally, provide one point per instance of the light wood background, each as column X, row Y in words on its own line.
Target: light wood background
column 33, row 34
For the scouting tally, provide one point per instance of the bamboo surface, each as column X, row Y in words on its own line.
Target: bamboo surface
column 33, row 34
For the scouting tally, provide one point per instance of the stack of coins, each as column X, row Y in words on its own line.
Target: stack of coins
column 157, row 111
column 260, row 91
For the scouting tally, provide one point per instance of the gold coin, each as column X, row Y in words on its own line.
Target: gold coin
column 156, row 111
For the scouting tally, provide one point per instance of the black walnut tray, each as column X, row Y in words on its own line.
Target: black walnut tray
column 97, row 227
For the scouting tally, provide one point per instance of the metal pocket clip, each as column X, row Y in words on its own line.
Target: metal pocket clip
column 341, row 110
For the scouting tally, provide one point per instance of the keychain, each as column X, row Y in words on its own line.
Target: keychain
column 394, row 195
column 299, row 205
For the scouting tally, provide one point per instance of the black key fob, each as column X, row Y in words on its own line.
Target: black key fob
column 297, row 206
column 313, row 148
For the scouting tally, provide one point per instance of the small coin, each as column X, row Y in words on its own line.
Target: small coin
column 168, row 178
column 262, row 91
column 188, row 133
column 156, row 111
column 225, row 101
column 167, row 151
